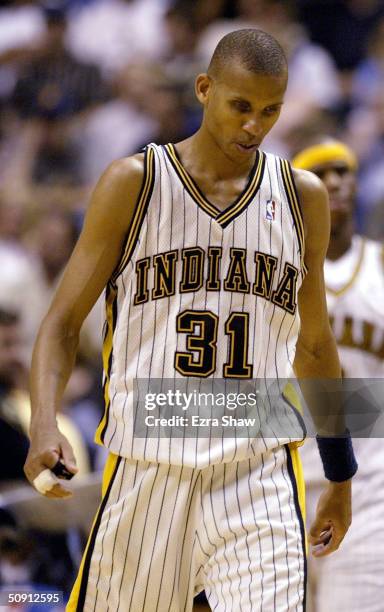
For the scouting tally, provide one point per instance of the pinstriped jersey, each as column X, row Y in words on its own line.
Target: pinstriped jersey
column 355, row 301
column 201, row 293
column 355, row 298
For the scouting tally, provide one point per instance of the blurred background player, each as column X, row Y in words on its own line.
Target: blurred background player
column 354, row 276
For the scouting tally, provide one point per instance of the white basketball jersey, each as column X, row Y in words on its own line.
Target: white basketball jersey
column 355, row 298
column 201, row 294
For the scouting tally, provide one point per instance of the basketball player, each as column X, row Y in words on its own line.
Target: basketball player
column 354, row 276
column 200, row 245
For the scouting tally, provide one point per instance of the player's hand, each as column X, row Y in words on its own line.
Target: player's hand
column 47, row 447
column 333, row 518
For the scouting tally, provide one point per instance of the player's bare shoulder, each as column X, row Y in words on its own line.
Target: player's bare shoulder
column 99, row 248
column 121, row 182
column 126, row 168
column 314, row 204
column 115, row 196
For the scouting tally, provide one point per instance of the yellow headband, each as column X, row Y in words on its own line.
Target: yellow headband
column 324, row 153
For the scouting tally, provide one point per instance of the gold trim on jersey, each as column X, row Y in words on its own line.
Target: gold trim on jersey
column 354, row 276
column 111, row 317
column 78, row 595
column 189, row 183
column 296, row 465
column 299, row 476
column 139, row 213
column 291, row 397
column 233, row 210
column 241, row 203
column 294, row 204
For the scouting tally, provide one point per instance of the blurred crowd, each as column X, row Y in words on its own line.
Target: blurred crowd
column 83, row 82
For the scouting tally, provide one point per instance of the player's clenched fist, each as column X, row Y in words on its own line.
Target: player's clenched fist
column 50, row 462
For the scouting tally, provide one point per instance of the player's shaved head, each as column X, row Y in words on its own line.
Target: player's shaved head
column 256, row 50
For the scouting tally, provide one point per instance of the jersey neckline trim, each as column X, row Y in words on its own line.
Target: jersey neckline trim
column 223, row 217
column 294, row 205
column 354, row 275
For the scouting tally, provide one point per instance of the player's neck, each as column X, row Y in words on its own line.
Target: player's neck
column 339, row 246
column 206, row 154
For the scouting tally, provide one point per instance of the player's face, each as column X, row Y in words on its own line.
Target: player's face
column 340, row 182
column 240, row 108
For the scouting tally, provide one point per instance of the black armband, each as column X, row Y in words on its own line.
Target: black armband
column 337, row 455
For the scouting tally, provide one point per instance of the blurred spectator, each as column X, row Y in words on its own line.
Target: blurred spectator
column 21, row 27
column 113, row 33
column 52, row 240
column 42, row 165
column 207, row 12
column 182, row 26
column 55, row 85
column 368, row 79
column 15, row 404
column 34, row 561
column 52, row 94
column 318, row 122
column 57, row 160
column 21, row 24
column 119, row 127
column 365, row 131
column 152, row 105
column 13, row 440
column 16, row 549
column 167, row 104
column 341, row 26
column 19, row 274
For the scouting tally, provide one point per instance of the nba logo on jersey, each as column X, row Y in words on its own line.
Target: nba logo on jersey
column 270, row 206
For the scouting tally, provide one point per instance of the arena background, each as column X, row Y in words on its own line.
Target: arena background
column 83, row 83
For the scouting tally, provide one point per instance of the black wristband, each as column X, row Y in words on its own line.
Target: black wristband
column 338, row 458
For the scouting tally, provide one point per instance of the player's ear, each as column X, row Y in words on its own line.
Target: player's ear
column 203, row 84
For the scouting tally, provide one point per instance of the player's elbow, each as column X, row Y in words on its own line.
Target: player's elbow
column 316, row 357
column 60, row 328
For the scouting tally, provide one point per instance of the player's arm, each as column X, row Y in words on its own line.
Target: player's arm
column 317, row 359
column 316, row 350
column 91, row 265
